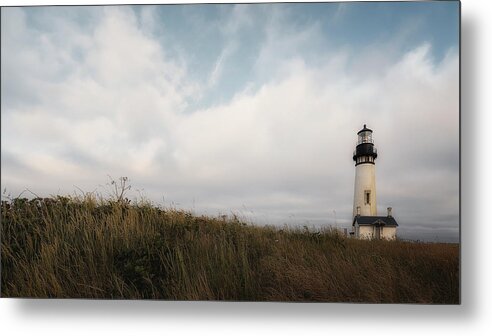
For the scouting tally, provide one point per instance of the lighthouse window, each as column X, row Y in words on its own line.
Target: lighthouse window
column 367, row 197
column 365, row 137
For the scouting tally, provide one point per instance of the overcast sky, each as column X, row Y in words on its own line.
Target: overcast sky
column 246, row 109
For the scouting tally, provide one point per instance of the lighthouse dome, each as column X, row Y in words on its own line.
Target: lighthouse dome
column 365, row 129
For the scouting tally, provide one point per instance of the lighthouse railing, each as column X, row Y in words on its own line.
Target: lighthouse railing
column 374, row 151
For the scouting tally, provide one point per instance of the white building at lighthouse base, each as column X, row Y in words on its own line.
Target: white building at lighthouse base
column 375, row 227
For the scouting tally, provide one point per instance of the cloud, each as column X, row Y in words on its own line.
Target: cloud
column 110, row 99
column 219, row 64
column 121, row 95
column 287, row 135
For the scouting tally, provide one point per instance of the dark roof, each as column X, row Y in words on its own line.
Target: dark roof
column 364, row 129
column 375, row 220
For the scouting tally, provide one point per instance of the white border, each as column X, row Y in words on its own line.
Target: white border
column 88, row 317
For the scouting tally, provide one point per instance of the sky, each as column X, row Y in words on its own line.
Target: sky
column 239, row 109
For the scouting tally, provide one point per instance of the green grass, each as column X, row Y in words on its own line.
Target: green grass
column 86, row 248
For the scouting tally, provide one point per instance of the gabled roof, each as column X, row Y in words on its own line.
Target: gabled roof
column 375, row 220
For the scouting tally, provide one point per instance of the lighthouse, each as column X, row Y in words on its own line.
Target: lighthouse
column 365, row 155
column 366, row 223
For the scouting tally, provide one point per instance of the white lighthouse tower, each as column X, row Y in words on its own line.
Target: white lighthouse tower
column 365, row 155
column 366, row 223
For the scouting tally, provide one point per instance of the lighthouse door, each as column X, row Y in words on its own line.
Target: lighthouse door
column 377, row 232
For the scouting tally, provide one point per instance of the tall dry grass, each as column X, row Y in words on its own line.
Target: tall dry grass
column 86, row 248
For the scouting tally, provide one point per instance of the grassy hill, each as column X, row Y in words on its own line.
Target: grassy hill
column 86, row 248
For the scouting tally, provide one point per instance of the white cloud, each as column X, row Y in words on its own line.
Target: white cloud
column 219, row 63
column 119, row 98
